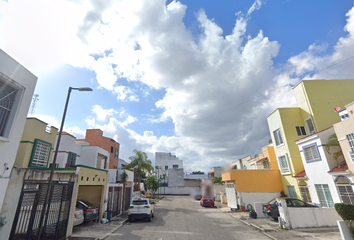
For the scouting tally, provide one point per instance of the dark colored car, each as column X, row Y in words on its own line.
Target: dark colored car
column 271, row 207
column 207, row 202
column 198, row 196
column 90, row 210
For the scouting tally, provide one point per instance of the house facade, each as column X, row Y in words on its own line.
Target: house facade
column 316, row 100
column 16, row 90
column 165, row 161
column 95, row 138
column 319, row 181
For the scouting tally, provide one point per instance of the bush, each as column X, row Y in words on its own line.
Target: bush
column 345, row 211
column 352, row 230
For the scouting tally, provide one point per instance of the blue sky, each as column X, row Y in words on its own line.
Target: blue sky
column 170, row 76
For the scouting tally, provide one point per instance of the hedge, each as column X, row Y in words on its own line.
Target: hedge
column 345, row 210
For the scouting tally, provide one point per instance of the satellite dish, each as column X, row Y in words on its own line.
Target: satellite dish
column 337, row 109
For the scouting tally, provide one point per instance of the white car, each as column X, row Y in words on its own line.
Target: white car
column 78, row 217
column 141, row 208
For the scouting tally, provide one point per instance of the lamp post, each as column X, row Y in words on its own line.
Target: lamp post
column 47, row 196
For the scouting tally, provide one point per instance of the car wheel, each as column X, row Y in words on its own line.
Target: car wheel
column 153, row 215
column 150, row 218
column 130, row 220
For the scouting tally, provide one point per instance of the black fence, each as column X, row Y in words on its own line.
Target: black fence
column 31, row 204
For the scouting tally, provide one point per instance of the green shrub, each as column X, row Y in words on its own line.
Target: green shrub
column 345, row 211
column 352, row 230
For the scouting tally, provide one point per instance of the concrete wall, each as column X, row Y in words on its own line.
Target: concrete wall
column 313, row 217
column 246, row 198
column 14, row 190
column 254, row 180
column 13, row 73
column 192, row 182
column 178, row 190
column 218, row 189
column 175, row 178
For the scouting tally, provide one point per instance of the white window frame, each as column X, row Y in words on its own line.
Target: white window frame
column 350, row 139
column 292, row 187
column 281, row 167
column 14, row 108
column 307, row 126
column 300, row 130
column 351, row 156
column 305, row 193
column 276, row 136
column 312, row 152
column 325, row 203
column 40, row 154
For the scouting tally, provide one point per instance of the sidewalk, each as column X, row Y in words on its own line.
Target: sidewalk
column 98, row 231
column 270, row 227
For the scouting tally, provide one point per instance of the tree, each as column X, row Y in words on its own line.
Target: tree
column 139, row 163
column 124, row 179
column 152, row 184
column 334, row 143
column 218, row 180
column 198, row 172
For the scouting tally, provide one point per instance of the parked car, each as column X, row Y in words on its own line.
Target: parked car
column 207, row 202
column 142, row 208
column 78, row 217
column 198, row 196
column 271, row 207
column 90, row 210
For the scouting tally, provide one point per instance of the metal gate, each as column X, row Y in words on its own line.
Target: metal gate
column 231, row 195
column 30, row 206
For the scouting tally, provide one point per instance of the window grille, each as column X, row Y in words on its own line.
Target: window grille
column 305, row 194
column 41, row 154
column 278, row 138
column 300, row 130
column 284, row 166
column 71, row 162
column 291, row 191
column 324, row 195
column 7, row 99
column 350, row 138
column 345, row 190
column 311, row 153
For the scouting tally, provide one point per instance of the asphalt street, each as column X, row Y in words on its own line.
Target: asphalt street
column 182, row 218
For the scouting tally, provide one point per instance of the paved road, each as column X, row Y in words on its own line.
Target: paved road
column 181, row 217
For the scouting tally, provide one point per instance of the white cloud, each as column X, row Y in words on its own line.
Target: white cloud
column 219, row 87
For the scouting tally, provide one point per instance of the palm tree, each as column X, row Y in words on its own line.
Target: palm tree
column 124, row 179
column 333, row 142
column 139, row 163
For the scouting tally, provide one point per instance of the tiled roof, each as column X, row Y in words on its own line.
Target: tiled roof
column 314, row 133
column 341, row 168
column 301, row 174
column 263, row 159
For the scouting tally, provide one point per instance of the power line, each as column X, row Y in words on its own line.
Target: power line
column 261, row 94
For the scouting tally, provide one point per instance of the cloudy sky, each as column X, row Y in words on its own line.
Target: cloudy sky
column 196, row 78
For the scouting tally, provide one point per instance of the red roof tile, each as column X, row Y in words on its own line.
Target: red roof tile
column 301, row 174
column 263, row 159
column 341, row 168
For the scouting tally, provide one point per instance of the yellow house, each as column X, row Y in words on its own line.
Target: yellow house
column 267, row 160
column 316, row 100
column 37, row 144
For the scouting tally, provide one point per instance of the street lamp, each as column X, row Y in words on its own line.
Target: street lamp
column 55, row 159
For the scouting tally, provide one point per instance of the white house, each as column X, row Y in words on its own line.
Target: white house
column 322, row 173
column 166, row 161
column 16, row 90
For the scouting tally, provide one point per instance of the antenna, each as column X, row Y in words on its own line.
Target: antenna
column 33, row 106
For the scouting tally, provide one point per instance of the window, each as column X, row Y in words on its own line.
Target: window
column 112, row 149
column 265, row 165
column 175, row 166
column 324, row 195
column 350, row 138
column 291, row 191
column 345, row 189
column 166, row 167
column 351, row 155
column 305, row 194
column 277, row 137
column 40, row 154
column 283, row 163
column 116, row 153
column 311, row 153
column 300, row 130
column 71, row 162
column 310, row 125
column 10, row 95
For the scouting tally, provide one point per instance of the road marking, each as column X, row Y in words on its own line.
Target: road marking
column 174, row 232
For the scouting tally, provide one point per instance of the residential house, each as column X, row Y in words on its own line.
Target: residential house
column 215, row 172
column 266, row 160
column 316, row 100
column 165, row 161
column 321, row 173
column 95, row 138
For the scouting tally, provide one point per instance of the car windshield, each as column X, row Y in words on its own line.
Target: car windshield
column 140, row 202
column 86, row 204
